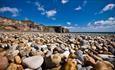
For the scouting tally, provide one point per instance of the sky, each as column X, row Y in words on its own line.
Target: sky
column 76, row 15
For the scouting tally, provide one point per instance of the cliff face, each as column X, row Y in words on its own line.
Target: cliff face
column 7, row 24
column 58, row 29
column 15, row 25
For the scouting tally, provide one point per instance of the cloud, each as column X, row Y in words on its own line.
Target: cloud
column 103, row 23
column 14, row 11
column 68, row 23
column 107, row 25
column 78, row 8
column 64, row 1
column 108, row 7
column 39, row 6
column 51, row 13
column 69, row 27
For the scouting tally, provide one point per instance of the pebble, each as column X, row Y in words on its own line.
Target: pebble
column 88, row 60
column 3, row 63
column 53, row 51
column 52, row 61
column 13, row 66
column 79, row 54
column 56, row 59
column 17, row 59
column 33, row 62
column 103, row 65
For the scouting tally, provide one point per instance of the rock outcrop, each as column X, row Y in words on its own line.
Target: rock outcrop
column 7, row 24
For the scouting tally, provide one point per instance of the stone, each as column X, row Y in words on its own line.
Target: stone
column 11, row 54
column 56, row 68
column 106, row 56
column 89, row 67
column 2, row 53
column 65, row 54
column 88, row 60
column 13, row 66
column 1, row 49
column 79, row 55
column 79, row 67
column 49, row 53
column 72, row 55
column 93, row 47
column 79, row 62
column 40, row 68
column 58, row 49
column 17, row 59
column 99, row 46
column 70, row 64
column 105, row 49
column 72, row 40
column 52, row 61
column 28, row 69
column 33, row 62
column 56, row 59
column 111, row 49
column 103, row 65
column 3, row 63
column 94, row 56
column 25, row 51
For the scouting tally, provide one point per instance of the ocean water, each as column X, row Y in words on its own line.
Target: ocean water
column 94, row 32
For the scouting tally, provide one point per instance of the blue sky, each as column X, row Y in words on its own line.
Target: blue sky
column 76, row 15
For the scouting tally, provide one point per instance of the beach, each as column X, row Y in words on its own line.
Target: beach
column 56, row 51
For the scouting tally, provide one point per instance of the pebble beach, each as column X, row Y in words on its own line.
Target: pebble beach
column 56, row 51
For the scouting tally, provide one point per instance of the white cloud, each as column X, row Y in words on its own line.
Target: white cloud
column 91, row 29
column 40, row 7
column 108, row 7
column 81, row 6
column 107, row 25
column 68, row 23
column 64, row 1
column 102, row 23
column 51, row 13
column 69, row 27
column 78, row 8
column 14, row 11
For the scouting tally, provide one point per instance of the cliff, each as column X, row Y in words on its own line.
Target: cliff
column 8, row 24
